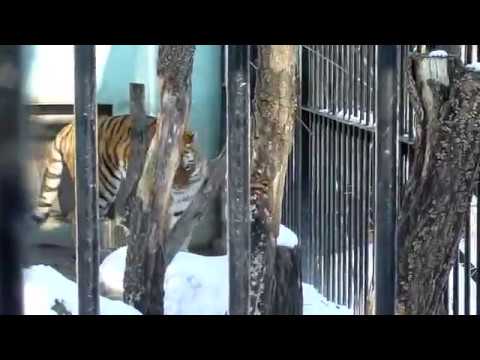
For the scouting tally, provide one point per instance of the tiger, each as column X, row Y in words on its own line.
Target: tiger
column 114, row 146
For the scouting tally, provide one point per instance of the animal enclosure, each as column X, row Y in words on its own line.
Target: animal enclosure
column 350, row 161
column 336, row 183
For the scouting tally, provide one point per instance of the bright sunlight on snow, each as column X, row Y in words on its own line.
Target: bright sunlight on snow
column 198, row 285
column 43, row 285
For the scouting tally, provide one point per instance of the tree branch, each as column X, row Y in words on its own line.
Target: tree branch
column 149, row 222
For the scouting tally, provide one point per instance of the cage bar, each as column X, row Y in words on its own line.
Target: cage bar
column 12, row 201
column 238, row 177
column 87, row 227
column 386, row 180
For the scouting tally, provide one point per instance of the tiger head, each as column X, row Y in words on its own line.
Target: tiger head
column 188, row 159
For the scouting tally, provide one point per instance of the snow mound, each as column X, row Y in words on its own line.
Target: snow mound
column 287, row 237
column 198, row 285
column 438, row 53
column 43, row 285
column 315, row 304
column 111, row 275
column 473, row 67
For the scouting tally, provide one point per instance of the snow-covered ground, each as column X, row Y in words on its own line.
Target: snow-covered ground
column 461, row 268
column 198, row 285
column 43, row 285
column 194, row 285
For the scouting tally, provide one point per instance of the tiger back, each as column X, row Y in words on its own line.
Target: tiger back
column 114, row 134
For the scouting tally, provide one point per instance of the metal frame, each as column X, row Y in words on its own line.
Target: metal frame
column 12, row 192
column 238, row 177
column 87, row 227
column 385, row 217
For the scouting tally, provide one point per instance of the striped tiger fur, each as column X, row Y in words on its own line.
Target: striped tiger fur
column 113, row 152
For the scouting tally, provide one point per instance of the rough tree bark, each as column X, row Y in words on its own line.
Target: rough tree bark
column 275, row 113
column 446, row 99
column 149, row 220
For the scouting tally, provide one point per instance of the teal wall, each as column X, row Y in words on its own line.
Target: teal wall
column 50, row 80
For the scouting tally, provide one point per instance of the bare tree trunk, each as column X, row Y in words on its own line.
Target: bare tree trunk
column 149, row 220
column 275, row 114
column 437, row 197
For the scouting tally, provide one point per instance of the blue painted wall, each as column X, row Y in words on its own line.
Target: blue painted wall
column 50, row 80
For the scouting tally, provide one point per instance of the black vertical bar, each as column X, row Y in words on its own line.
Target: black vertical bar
column 12, row 202
column 323, row 201
column 343, row 212
column 466, row 264
column 318, row 189
column 369, row 90
column 356, row 87
column 386, row 180
column 297, row 176
column 478, row 243
column 335, row 210
column 335, row 77
column 371, row 206
column 319, row 78
column 455, row 287
column 356, row 227
column 328, row 78
column 362, row 85
column 311, row 84
column 314, row 184
column 306, row 218
column 223, row 122
column 361, row 221
column 353, row 216
column 351, row 80
column 86, row 191
column 350, row 212
column 340, row 79
column 328, row 237
column 345, row 80
column 238, row 177
column 366, row 182
column 315, row 77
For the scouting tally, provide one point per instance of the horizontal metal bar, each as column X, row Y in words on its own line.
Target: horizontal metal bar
column 339, row 119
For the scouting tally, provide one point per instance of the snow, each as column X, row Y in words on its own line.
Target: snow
column 315, row 304
column 198, row 285
column 287, row 237
column 43, row 285
column 461, row 268
column 349, row 116
column 111, row 279
column 438, row 53
column 473, row 67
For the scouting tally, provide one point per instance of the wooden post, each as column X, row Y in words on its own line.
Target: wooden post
column 136, row 161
